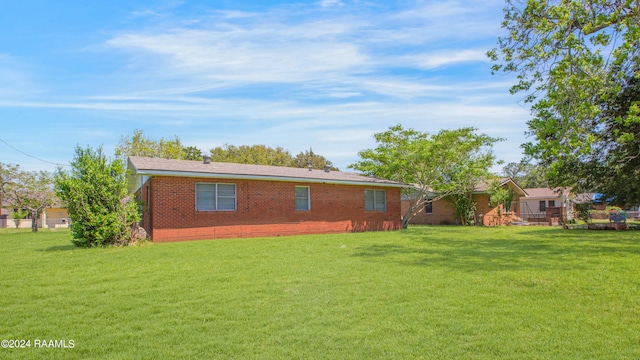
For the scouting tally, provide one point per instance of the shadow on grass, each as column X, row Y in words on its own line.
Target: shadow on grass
column 486, row 250
column 59, row 248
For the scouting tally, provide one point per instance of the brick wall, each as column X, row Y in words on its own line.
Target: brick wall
column 442, row 214
column 263, row 208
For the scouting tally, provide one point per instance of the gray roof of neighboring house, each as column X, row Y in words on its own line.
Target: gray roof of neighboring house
column 547, row 192
column 187, row 168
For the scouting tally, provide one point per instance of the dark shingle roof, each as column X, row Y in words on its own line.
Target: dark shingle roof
column 167, row 167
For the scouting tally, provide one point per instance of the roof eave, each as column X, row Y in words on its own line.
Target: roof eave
column 523, row 192
column 264, row 178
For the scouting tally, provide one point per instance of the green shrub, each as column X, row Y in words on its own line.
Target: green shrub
column 96, row 194
column 18, row 215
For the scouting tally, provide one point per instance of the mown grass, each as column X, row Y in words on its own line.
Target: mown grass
column 426, row 292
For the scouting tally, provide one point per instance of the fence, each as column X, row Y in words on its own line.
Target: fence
column 604, row 215
column 6, row 222
column 22, row 223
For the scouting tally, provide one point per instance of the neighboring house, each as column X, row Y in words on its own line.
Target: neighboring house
column 7, row 221
column 56, row 216
column 488, row 214
column 544, row 205
column 53, row 217
column 185, row 200
column 441, row 211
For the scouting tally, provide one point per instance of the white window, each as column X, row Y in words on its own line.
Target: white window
column 215, row 197
column 375, row 200
column 302, row 198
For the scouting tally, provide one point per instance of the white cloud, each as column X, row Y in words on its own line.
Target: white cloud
column 355, row 51
column 235, row 57
column 448, row 57
column 330, row 3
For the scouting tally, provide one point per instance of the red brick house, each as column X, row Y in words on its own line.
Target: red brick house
column 186, row 200
column 441, row 212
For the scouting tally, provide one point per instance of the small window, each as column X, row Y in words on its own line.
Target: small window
column 302, row 198
column 543, row 205
column 375, row 200
column 552, row 203
column 428, row 206
column 215, row 197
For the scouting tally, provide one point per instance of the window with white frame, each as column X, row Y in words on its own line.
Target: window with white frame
column 215, row 197
column 303, row 201
column 375, row 200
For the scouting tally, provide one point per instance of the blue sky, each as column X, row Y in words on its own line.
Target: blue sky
column 316, row 74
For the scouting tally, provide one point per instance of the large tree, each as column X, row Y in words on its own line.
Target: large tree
column 31, row 191
column 95, row 189
column 618, row 169
column 439, row 165
column 573, row 60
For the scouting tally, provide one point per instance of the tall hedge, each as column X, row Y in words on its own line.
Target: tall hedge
column 95, row 189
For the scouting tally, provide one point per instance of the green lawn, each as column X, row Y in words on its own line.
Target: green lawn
column 426, row 292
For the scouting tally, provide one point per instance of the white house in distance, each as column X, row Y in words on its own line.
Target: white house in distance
column 546, row 204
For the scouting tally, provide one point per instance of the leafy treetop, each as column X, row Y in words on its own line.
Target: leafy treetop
column 265, row 155
column 439, row 165
column 573, row 60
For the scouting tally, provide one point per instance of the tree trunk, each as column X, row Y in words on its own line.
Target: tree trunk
column 34, row 221
column 413, row 209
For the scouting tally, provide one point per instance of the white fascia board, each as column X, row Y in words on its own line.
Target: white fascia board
column 264, row 178
column 543, row 197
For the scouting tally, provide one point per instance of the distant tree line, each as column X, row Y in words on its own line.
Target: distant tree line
column 526, row 175
column 137, row 144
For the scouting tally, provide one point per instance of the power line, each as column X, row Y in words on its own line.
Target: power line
column 31, row 156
